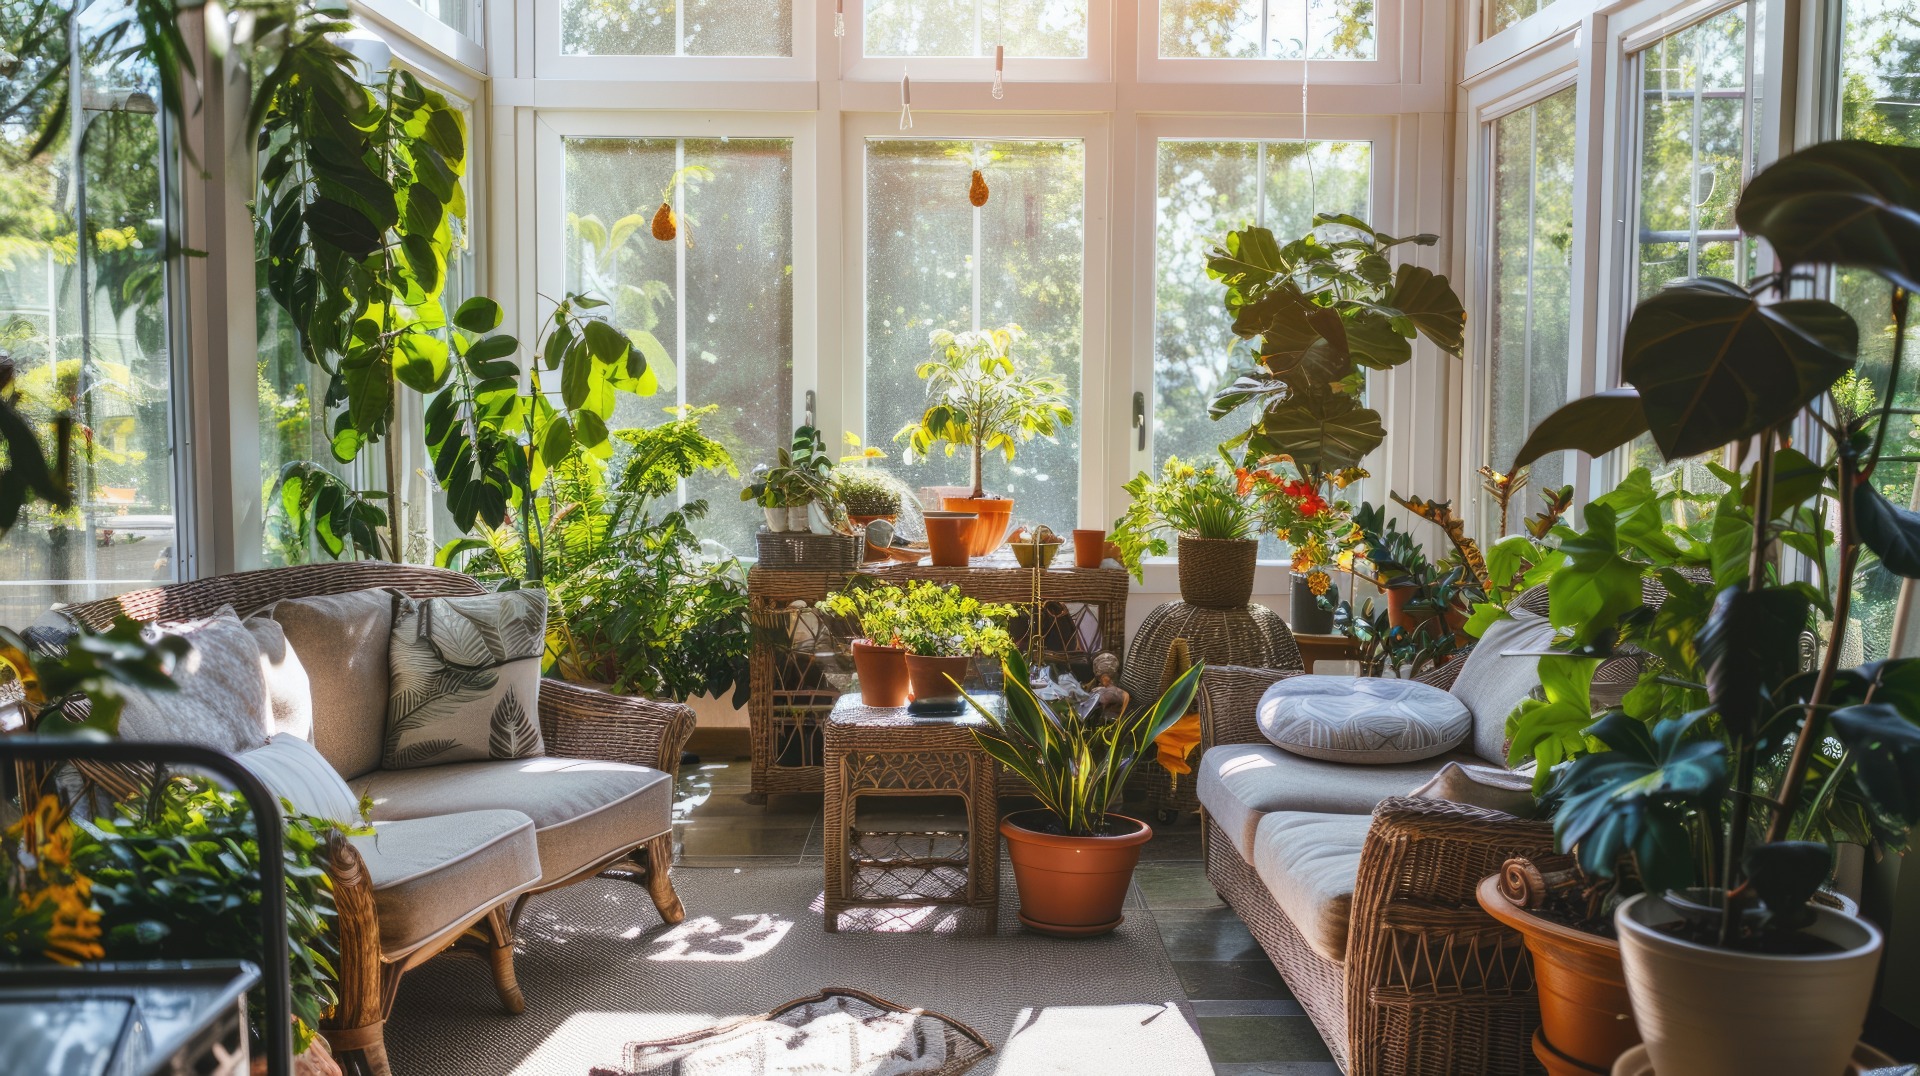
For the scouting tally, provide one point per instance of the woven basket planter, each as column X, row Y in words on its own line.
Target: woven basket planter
column 1217, row 573
column 807, row 550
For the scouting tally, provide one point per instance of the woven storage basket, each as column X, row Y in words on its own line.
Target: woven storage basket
column 1217, row 573
column 805, row 550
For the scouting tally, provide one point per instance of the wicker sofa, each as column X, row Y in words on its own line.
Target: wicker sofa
column 459, row 849
column 1362, row 896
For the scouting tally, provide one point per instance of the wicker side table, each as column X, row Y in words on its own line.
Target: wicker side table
column 873, row 750
column 1254, row 636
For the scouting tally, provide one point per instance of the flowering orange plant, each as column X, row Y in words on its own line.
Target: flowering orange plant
column 46, row 906
column 1319, row 530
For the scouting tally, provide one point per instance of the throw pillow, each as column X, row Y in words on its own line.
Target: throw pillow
column 289, row 693
column 1359, row 719
column 1498, row 672
column 342, row 640
column 219, row 698
column 466, row 679
column 295, row 771
column 1481, row 786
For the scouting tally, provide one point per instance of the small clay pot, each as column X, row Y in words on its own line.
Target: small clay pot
column 1089, row 547
column 1072, row 887
column 928, row 676
column 949, row 536
column 883, row 673
column 995, row 518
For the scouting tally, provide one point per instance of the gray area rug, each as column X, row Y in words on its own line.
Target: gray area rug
column 599, row 970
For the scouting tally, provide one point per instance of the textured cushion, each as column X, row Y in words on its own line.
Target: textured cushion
column 220, row 698
column 1491, row 683
column 289, row 692
column 295, row 771
column 1493, row 787
column 1309, row 862
column 584, row 812
column 342, row 640
column 1362, row 719
column 1240, row 783
column 831, row 1032
column 430, row 874
column 466, row 679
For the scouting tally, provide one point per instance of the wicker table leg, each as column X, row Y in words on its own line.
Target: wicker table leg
column 983, row 837
column 836, row 813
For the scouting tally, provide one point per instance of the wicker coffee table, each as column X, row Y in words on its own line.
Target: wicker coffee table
column 887, row 751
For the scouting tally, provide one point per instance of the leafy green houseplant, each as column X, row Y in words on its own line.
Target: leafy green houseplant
column 1724, row 792
column 867, row 493
column 1073, row 858
column 1213, row 516
column 938, row 630
column 801, row 473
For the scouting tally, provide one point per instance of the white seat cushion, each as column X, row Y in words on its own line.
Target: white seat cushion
column 1239, row 783
column 583, row 812
column 1362, row 719
column 431, row 874
column 1309, row 861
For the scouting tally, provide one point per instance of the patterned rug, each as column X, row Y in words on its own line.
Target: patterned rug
column 599, row 970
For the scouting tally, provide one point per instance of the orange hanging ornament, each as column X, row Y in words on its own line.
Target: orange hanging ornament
column 977, row 190
column 663, row 228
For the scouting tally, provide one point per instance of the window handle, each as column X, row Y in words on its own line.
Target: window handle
column 809, row 409
column 1140, row 419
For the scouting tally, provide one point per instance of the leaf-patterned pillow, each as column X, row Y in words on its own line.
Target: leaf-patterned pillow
column 465, row 679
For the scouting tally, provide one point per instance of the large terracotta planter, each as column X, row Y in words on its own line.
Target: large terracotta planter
column 1586, row 1022
column 928, row 676
column 993, row 518
column 1217, row 573
column 1706, row 1011
column 949, row 537
column 1072, row 886
column 883, row 673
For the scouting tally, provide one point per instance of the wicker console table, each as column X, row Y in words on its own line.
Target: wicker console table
column 887, row 751
column 801, row 661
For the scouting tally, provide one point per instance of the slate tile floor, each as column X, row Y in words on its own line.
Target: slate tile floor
column 1249, row 1022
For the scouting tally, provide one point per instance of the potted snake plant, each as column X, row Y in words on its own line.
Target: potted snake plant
column 1073, row 858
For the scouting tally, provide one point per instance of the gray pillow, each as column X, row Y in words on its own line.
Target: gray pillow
column 220, row 698
column 466, row 679
column 1359, row 719
column 342, row 640
column 289, row 692
column 293, row 770
column 1499, row 671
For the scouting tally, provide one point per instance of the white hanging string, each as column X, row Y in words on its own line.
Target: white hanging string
column 839, row 18
column 1306, row 61
column 999, row 72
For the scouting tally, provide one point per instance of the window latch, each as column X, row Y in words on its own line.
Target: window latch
column 809, row 409
column 1140, row 419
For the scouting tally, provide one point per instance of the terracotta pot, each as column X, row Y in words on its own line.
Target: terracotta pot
column 949, row 535
column 1072, row 886
column 1217, row 573
column 1410, row 620
column 1586, row 1022
column 1707, row 1011
column 928, row 676
column 1089, row 548
column 883, row 673
column 995, row 519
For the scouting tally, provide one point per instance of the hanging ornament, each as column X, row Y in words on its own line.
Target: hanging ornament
column 977, row 190
column 839, row 18
column 663, row 226
column 999, row 72
column 906, row 102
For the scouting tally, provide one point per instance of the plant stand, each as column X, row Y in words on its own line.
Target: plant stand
column 887, row 751
column 1251, row 635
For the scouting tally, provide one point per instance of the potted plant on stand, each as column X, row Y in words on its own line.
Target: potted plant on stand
column 1073, row 858
column 979, row 400
column 1319, row 532
column 1728, row 810
column 929, row 633
column 801, row 474
column 1213, row 519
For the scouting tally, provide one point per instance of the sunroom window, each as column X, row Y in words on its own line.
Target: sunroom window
column 948, row 28
column 676, row 28
column 1268, row 29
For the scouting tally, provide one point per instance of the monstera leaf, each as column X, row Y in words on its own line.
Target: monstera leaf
column 1595, row 424
column 1299, row 340
column 1429, row 303
column 1249, row 259
column 1323, row 432
column 1841, row 203
column 1714, row 365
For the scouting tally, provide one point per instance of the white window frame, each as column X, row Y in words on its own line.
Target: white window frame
column 1400, row 47
column 541, row 26
column 1093, row 410
column 1096, row 66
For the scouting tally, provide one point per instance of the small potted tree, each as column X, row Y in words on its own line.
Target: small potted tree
column 979, row 400
column 1073, row 858
column 1211, row 516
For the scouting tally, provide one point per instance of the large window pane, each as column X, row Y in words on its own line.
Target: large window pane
column 1029, row 28
column 934, row 261
column 1698, row 115
column 83, row 318
column 1530, row 287
column 1504, row 13
column 1270, row 29
column 463, row 15
column 1880, row 100
column 719, row 297
column 676, row 28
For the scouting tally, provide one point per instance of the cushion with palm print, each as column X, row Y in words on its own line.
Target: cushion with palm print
column 465, row 679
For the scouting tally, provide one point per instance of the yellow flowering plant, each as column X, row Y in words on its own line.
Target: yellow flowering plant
column 926, row 618
column 47, row 910
column 1186, row 500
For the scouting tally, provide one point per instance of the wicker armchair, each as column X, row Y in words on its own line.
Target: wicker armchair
column 576, row 722
column 1430, row 984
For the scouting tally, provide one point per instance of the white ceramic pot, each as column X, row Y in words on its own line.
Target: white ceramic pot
column 797, row 518
column 776, row 517
column 1706, row 1011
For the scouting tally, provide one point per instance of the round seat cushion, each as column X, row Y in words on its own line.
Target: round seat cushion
column 1366, row 720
